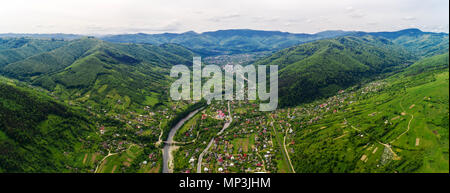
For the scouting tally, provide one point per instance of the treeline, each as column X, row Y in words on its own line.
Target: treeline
column 171, row 123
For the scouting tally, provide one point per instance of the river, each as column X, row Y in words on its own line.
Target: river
column 169, row 147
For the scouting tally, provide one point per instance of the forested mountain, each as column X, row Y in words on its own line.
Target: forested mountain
column 59, row 36
column 242, row 40
column 16, row 49
column 235, row 41
column 38, row 134
column 323, row 67
column 422, row 44
column 92, row 67
column 66, row 90
column 104, row 72
column 226, row 41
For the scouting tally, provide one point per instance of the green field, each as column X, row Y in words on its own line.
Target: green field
column 408, row 112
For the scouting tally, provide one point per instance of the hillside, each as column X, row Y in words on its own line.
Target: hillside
column 397, row 124
column 422, row 44
column 427, row 64
column 104, row 73
column 38, row 134
column 321, row 68
column 120, row 92
column 16, row 49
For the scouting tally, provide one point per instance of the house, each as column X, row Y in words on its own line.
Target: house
column 102, row 130
column 220, row 114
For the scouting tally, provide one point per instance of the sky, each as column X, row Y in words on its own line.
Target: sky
column 96, row 17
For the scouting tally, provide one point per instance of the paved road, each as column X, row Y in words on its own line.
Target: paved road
column 225, row 126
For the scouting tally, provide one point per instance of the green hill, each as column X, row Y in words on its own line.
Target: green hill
column 321, row 68
column 422, row 44
column 52, row 61
column 98, row 72
column 38, row 134
column 16, row 49
column 427, row 64
column 397, row 124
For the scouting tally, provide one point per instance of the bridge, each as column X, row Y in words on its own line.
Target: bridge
column 176, row 143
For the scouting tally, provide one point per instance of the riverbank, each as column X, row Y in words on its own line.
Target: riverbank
column 170, row 147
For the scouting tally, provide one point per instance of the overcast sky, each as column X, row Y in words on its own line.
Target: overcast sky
column 158, row 16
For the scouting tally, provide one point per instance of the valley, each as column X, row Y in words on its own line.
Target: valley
column 350, row 102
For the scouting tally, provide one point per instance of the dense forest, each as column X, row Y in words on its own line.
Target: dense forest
column 36, row 132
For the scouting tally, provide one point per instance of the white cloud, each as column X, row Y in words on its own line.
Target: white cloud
column 225, row 17
column 354, row 13
column 349, row 9
column 409, row 18
column 156, row 16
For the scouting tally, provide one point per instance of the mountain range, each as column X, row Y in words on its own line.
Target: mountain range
column 52, row 84
column 99, row 69
column 236, row 41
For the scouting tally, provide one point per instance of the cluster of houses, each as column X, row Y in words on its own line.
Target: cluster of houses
column 234, row 59
column 246, row 147
column 311, row 113
column 308, row 114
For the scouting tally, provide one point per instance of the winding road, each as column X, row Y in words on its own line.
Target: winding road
column 396, row 157
column 283, row 146
column 225, row 126
column 101, row 161
column 110, row 154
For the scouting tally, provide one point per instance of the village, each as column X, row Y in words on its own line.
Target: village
column 129, row 139
column 255, row 141
column 245, row 146
column 251, row 145
column 235, row 59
